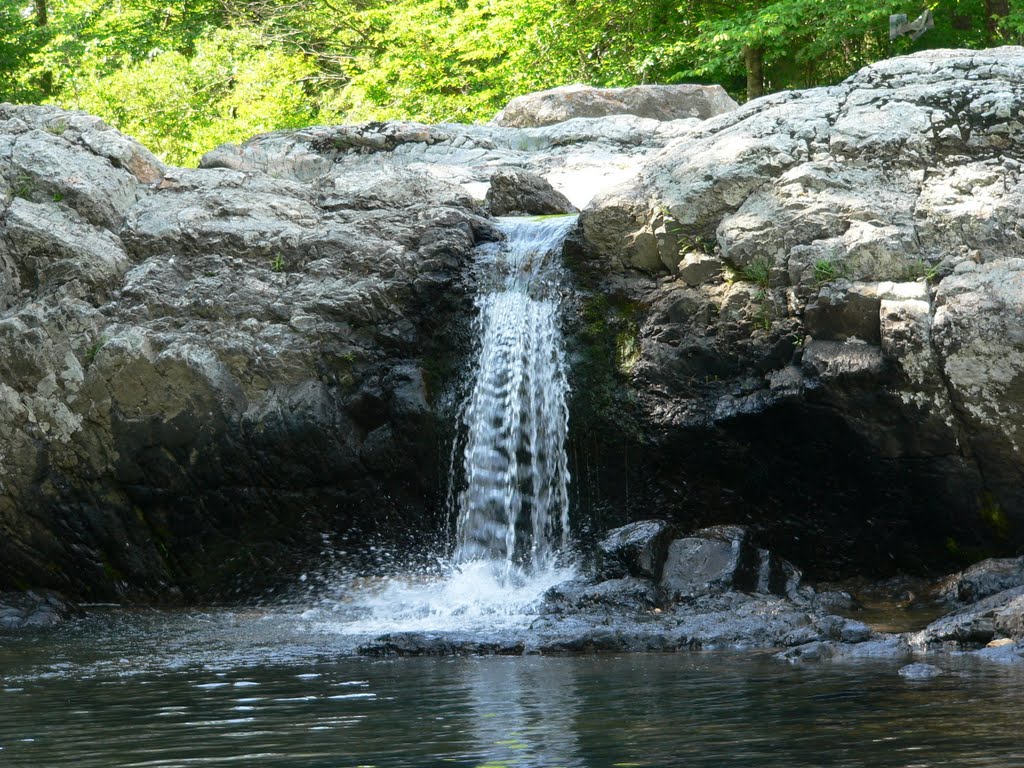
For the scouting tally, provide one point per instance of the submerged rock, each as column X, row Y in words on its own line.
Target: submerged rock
column 920, row 671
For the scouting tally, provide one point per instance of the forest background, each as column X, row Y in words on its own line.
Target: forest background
column 183, row 77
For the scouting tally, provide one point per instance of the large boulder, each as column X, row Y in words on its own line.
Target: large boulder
column 848, row 379
column 520, row 192
column 636, row 549
column 712, row 561
column 983, row 579
column 657, row 102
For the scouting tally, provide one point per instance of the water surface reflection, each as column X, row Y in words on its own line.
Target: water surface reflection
column 264, row 689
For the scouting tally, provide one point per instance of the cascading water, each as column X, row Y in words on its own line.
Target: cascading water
column 513, row 502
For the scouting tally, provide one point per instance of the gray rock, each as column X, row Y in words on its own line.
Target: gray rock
column 983, row 579
column 697, row 268
column 712, row 561
column 658, row 102
column 974, row 625
column 920, row 671
column 637, row 549
column 1009, row 620
column 33, row 610
column 520, row 192
column 626, row 595
column 829, row 228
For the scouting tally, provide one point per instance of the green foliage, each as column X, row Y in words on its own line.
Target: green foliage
column 93, row 349
column 758, row 271
column 826, row 270
column 235, row 85
column 183, row 77
column 277, row 263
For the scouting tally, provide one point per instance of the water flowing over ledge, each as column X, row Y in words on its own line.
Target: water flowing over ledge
column 513, row 529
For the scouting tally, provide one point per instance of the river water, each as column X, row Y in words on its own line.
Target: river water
column 275, row 688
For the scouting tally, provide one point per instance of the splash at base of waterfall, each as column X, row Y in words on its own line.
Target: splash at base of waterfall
column 476, row 596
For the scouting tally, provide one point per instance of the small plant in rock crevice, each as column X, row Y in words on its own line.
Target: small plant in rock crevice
column 758, row 271
column 826, row 270
column 93, row 349
column 277, row 263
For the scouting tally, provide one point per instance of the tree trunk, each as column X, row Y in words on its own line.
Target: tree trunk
column 753, row 58
column 41, row 17
column 995, row 10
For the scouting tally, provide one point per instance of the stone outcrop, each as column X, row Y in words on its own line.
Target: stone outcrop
column 519, row 192
column 658, row 102
column 821, row 290
column 209, row 375
column 203, row 372
column 644, row 613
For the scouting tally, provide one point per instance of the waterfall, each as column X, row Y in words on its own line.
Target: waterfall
column 512, row 493
column 514, row 506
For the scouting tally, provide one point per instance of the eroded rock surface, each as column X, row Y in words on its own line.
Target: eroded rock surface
column 821, row 289
column 203, row 372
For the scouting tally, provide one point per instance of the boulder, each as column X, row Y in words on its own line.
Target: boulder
column 658, row 102
column 711, row 561
column 1009, row 620
column 33, row 610
column 637, row 549
column 983, row 579
column 521, row 192
column 975, row 625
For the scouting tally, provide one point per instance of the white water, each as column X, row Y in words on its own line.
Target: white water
column 513, row 505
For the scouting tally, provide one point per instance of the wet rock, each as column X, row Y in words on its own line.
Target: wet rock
column 862, row 295
column 1009, row 620
column 974, row 625
column 920, row 671
column 983, row 579
column 713, row 560
column 33, row 610
column 429, row 644
column 658, row 102
column 624, row 595
column 637, row 549
column 1007, row 653
column 514, row 192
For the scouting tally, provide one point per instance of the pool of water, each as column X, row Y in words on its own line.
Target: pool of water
column 273, row 688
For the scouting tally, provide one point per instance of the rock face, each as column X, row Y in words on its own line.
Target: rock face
column 820, row 290
column 203, row 372
column 520, row 192
column 658, row 102
column 207, row 375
